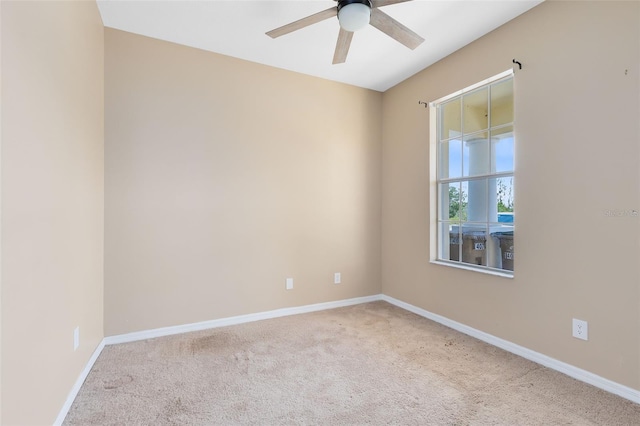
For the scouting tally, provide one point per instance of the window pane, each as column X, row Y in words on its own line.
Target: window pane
column 502, row 103
column 461, row 202
column 476, row 111
column 451, row 207
column 503, row 199
column 475, row 159
column 478, row 196
column 503, row 239
column 450, row 120
column 449, row 243
column 474, row 245
column 450, row 159
column 502, row 150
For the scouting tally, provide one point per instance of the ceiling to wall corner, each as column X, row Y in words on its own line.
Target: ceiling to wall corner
column 375, row 61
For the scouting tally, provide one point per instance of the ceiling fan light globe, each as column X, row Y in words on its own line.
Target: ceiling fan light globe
column 354, row 16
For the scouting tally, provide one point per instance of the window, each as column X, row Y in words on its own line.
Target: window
column 474, row 175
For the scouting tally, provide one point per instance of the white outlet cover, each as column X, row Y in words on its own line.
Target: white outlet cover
column 580, row 329
column 289, row 284
column 337, row 278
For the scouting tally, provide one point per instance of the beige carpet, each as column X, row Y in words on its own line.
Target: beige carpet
column 365, row 364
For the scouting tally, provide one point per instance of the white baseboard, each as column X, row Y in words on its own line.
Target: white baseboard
column 568, row 369
column 241, row 319
column 77, row 385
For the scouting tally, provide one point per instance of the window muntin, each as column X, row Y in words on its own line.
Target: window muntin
column 474, row 176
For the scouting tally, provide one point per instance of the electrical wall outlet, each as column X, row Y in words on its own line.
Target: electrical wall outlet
column 289, row 284
column 337, row 278
column 76, row 338
column 580, row 329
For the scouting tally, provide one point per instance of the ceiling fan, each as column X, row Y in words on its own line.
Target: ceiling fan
column 354, row 15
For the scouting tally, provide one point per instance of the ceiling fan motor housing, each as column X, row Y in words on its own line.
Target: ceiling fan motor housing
column 354, row 14
column 343, row 3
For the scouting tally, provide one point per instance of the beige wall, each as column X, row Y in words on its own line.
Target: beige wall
column 52, row 202
column 577, row 155
column 225, row 177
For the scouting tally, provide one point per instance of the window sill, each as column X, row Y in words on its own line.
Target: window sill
column 457, row 265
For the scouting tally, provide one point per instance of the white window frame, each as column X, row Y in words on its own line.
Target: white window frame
column 435, row 179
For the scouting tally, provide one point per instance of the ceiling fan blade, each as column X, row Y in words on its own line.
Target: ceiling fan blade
column 342, row 46
column 395, row 29
column 382, row 3
column 304, row 22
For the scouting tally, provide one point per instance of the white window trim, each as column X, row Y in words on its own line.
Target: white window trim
column 433, row 181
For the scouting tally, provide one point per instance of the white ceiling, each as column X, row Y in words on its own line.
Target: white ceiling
column 375, row 61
